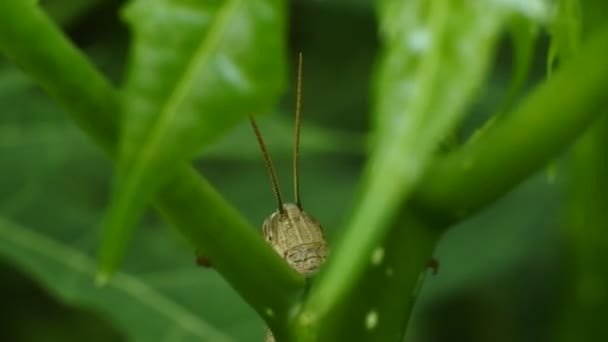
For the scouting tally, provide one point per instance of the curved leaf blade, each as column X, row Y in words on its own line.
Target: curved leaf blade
column 197, row 68
column 435, row 58
column 69, row 272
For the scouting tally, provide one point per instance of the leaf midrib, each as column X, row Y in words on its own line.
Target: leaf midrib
column 176, row 97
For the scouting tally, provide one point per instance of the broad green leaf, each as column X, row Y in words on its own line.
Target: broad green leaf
column 44, row 52
column 435, row 57
column 51, row 185
column 140, row 310
column 197, row 68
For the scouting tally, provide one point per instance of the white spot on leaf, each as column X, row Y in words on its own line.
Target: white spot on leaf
column 377, row 256
column 419, row 40
column 371, row 320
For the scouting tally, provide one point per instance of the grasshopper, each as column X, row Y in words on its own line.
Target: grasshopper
column 295, row 235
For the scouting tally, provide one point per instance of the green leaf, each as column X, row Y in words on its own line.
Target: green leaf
column 139, row 309
column 524, row 34
column 435, row 57
column 197, row 68
column 565, row 30
column 69, row 78
column 52, row 178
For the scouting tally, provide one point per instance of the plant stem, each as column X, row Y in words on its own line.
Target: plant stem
column 545, row 123
column 30, row 39
column 379, row 306
column 260, row 276
column 585, row 282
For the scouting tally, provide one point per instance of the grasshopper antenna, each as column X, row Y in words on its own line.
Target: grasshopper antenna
column 296, row 145
column 268, row 161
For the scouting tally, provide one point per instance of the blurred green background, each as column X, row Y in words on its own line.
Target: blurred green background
column 500, row 272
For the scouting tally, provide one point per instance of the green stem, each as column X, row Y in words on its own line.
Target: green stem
column 585, row 282
column 262, row 278
column 234, row 248
column 545, row 123
column 378, row 307
column 388, row 178
column 30, row 39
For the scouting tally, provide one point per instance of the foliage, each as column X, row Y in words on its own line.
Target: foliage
column 448, row 137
